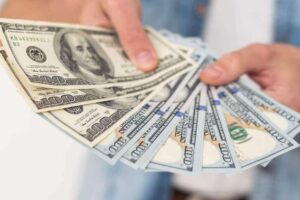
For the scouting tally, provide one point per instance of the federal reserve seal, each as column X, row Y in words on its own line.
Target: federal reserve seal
column 36, row 54
column 74, row 110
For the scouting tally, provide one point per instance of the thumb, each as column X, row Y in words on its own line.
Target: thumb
column 251, row 59
column 125, row 17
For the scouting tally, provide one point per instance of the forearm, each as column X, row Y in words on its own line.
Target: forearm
column 50, row 10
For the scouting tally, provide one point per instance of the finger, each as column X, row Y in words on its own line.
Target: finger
column 124, row 15
column 251, row 59
column 284, row 97
column 138, row 8
column 92, row 14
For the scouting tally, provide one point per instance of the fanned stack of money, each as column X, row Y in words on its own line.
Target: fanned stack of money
column 80, row 79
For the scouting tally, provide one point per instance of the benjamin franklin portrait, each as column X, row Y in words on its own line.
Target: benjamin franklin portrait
column 82, row 56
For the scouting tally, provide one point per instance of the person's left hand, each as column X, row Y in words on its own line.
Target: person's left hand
column 275, row 67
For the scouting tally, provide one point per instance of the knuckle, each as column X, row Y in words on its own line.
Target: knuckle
column 265, row 51
column 114, row 3
column 103, row 23
column 287, row 48
column 137, row 35
column 121, row 5
column 297, row 107
column 231, row 59
column 95, row 21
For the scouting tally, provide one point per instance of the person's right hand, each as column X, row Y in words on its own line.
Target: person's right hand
column 275, row 67
column 124, row 17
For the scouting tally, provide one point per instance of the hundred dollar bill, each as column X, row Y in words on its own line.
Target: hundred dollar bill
column 170, row 35
column 159, row 128
column 256, row 140
column 152, row 126
column 65, row 56
column 120, row 140
column 283, row 117
column 124, row 136
column 181, row 152
column 168, row 122
column 130, row 131
column 196, row 44
column 46, row 99
column 184, row 49
column 92, row 123
column 218, row 151
column 166, row 97
column 173, row 149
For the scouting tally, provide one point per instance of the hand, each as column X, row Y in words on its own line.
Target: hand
column 122, row 15
column 275, row 67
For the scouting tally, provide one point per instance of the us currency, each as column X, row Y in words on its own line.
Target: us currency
column 184, row 49
column 45, row 99
column 168, row 122
column 151, row 122
column 283, row 117
column 132, row 157
column 125, row 136
column 122, row 138
column 256, row 140
column 170, row 35
column 129, row 132
column 94, row 122
column 157, row 129
column 181, row 152
column 179, row 92
column 218, row 151
column 64, row 56
column 171, row 151
column 194, row 43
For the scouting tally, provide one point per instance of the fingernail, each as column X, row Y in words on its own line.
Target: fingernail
column 213, row 71
column 144, row 60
